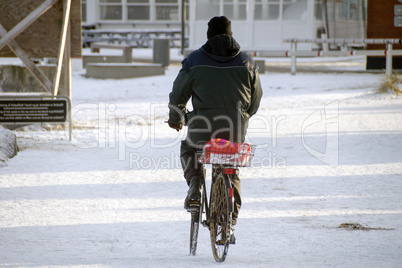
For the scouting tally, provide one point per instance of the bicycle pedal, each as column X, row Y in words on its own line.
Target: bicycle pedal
column 232, row 240
column 220, row 243
column 193, row 209
column 194, row 205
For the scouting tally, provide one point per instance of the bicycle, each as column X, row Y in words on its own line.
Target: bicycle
column 226, row 157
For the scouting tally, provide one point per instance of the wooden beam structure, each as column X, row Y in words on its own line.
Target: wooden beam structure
column 28, row 20
column 39, row 29
column 32, row 29
column 42, row 37
column 41, row 77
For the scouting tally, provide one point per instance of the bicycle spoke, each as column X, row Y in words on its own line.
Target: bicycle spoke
column 219, row 220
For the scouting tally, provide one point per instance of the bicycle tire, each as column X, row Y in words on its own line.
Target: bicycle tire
column 196, row 216
column 220, row 217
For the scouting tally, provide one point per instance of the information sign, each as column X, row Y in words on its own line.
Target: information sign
column 33, row 111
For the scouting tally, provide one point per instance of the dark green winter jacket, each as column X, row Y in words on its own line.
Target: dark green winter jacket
column 225, row 89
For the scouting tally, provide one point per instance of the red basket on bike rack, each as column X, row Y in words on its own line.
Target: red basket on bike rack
column 224, row 152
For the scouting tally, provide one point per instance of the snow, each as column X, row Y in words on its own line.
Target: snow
column 8, row 145
column 328, row 154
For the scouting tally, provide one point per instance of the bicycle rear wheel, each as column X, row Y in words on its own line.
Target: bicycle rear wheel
column 196, row 216
column 220, row 220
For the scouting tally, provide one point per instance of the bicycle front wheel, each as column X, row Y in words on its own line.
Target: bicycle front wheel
column 220, row 220
column 195, row 224
column 196, row 217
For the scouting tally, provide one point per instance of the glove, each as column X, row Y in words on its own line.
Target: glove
column 176, row 126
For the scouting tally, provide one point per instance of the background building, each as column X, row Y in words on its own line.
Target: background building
column 263, row 24
column 257, row 24
column 132, row 14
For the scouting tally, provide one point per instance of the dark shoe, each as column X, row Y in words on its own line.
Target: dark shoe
column 193, row 194
column 232, row 238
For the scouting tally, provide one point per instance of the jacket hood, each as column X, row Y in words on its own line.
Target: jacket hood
column 221, row 48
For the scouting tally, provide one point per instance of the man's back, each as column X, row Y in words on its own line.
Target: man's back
column 222, row 81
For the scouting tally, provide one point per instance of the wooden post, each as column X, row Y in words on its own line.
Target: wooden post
column 66, row 19
column 67, row 66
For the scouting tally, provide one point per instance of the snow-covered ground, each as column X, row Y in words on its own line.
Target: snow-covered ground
column 329, row 154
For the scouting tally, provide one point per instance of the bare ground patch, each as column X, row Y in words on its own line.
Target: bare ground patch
column 358, row 226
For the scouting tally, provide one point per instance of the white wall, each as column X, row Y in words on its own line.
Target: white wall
column 261, row 34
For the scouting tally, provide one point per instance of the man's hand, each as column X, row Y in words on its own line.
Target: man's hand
column 176, row 126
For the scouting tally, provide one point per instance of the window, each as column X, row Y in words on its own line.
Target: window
column 110, row 9
column 138, row 10
column 141, row 10
column 332, row 8
column 206, row 9
column 167, row 10
column 235, row 9
column 350, row 10
column 353, row 10
column 266, row 9
column 318, row 10
column 294, row 10
column 291, row 9
column 344, row 14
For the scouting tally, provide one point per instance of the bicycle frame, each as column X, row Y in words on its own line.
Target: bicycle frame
column 204, row 203
column 225, row 158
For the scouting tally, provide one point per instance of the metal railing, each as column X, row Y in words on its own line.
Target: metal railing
column 388, row 52
column 134, row 38
column 348, row 41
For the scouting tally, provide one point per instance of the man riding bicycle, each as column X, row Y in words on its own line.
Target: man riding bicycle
column 225, row 89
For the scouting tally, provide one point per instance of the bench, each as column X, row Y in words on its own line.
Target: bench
column 86, row 59
column 123, row 70
column 127, row 50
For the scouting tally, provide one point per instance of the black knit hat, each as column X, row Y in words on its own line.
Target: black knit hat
column 219, row 25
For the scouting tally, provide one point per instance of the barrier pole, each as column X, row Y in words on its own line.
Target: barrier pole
column 293, row 57
column 183, row 27
column 388, row 61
